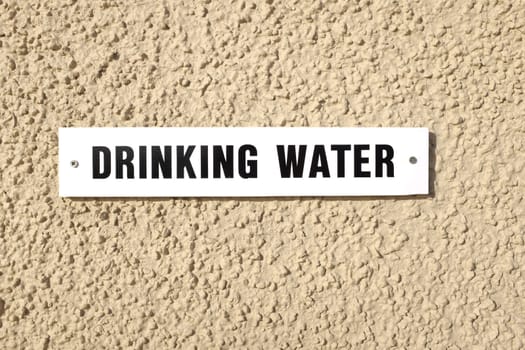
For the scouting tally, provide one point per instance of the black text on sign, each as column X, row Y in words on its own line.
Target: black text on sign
column 242, row 162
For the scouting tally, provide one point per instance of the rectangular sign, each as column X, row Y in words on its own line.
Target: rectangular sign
column 242, row 162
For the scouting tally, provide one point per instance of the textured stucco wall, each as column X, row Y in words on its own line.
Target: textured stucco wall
column 445, row 271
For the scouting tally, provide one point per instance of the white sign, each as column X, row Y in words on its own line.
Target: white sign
column 242, row 162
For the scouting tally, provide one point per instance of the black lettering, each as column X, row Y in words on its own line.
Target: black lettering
column 382, row 159
column 161, row 161
column 121, row 161
column 250, row 164
column 359, row 160
column 142, row 162
column 204, row 162
column 183, row 161
column 319, row 156
column 290, row 163
column 222, row 161
column 97, row 150
column 340, row 149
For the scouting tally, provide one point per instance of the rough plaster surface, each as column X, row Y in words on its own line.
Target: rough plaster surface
column 445, row 271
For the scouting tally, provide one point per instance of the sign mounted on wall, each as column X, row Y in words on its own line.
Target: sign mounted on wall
column 242, row 162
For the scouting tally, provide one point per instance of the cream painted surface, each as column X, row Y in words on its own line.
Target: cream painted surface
column 443, row 272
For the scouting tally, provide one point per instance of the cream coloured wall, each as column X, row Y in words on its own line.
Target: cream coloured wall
column 445, row 271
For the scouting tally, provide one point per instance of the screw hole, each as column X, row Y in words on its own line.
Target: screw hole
column 74, row 163
column 413, row 160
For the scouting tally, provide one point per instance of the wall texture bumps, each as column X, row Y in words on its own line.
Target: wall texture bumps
column 440, row 272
